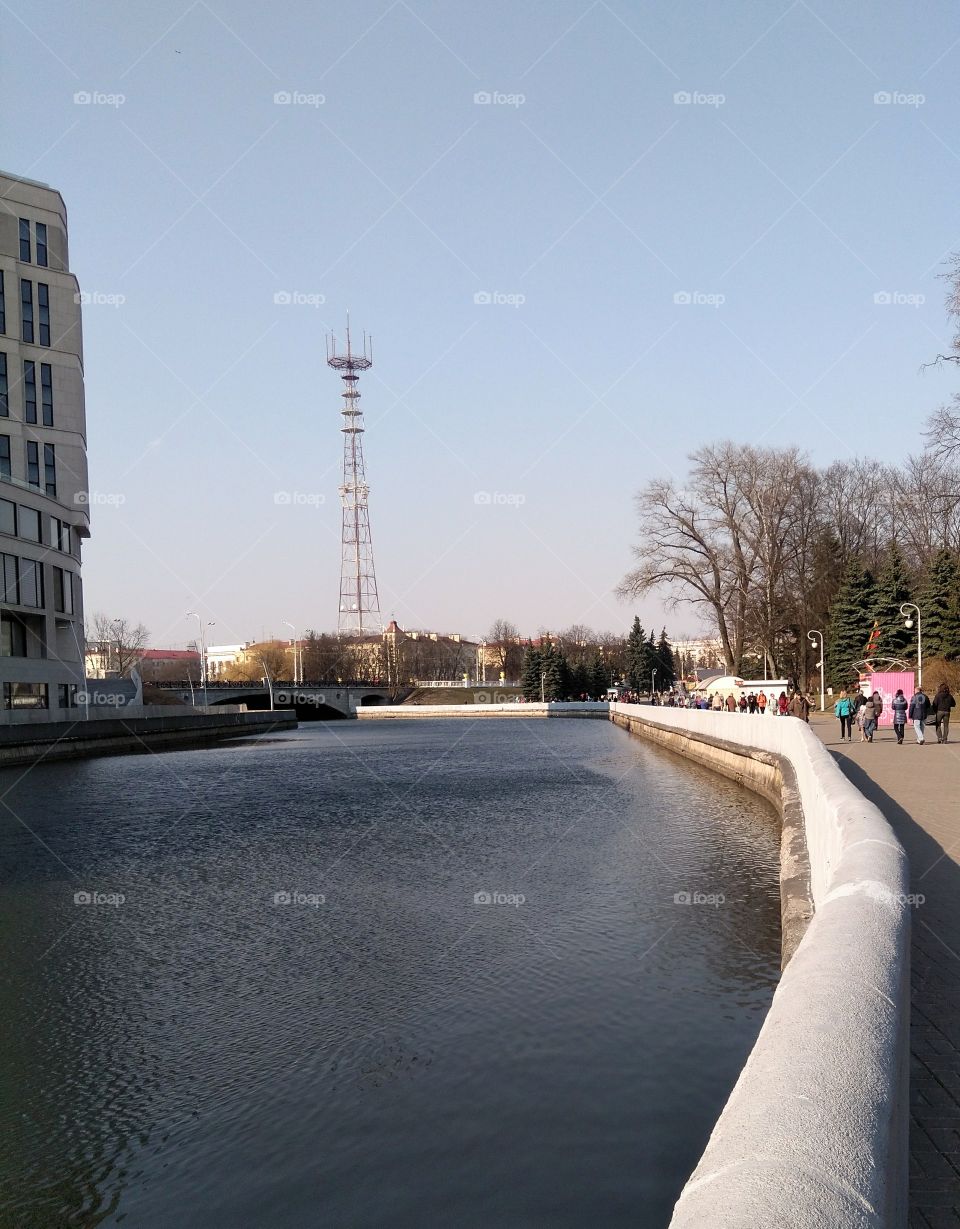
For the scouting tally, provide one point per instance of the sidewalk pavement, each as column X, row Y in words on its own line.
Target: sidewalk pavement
column 916, row 788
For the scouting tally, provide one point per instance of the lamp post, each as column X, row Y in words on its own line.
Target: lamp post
column 812, row 637
column 908, row 623
column 192, row 614
column 297, row 680
column 653, row 675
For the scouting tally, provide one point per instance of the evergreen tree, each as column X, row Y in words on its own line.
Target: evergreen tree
column 554, row 668
column 937, row 597
column 851, row 621
column 892, row 590
column 580, row 680
column 950, row 640
column 666, row 670
column 599, row 677
column 530, row 670
column 637, row 675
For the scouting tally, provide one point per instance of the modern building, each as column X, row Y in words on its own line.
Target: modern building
column 44, row 500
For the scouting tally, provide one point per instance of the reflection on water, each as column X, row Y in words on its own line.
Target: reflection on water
column 394, row 974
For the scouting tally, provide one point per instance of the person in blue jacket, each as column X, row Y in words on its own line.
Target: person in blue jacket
column 844, row 710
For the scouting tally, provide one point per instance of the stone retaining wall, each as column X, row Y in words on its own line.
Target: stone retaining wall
column 815, row 1130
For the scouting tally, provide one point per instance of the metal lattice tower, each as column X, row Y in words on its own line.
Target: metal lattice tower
column 359, row 603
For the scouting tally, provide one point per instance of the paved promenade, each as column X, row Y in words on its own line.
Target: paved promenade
column 916, row 788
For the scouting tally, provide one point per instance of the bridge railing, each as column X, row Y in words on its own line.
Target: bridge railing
column 287, row 684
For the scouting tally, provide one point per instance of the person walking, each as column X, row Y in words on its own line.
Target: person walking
column 844, row 710
column 919, row 707
column 731, row 703
column 800, row 706
column 762, row 702
column 899, row 705
column 877, row 709
column 752, row 703
column 743, row 703
column 868, row 714
column 783, row 704
column 943, row 702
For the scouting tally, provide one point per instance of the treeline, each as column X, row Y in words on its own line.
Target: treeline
column 770, row 548
column 575, row 666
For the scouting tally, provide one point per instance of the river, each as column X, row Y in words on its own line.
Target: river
column 388, row 974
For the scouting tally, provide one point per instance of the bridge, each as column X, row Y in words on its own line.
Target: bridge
column 312, row 701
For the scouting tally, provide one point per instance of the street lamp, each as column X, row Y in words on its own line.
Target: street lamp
column 908, row 623
column 296, row 653
column 192, row 614
column 812, row 637
column 653, row 675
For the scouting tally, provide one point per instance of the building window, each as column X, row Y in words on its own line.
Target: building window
column 33, row 462
column 42, row 244
column 29, row 391
column 10, row 579
column 31, row 583
column 5, row 456
column 4, row 389
column 43, row 303
column 8, row 517
column 67, row 695
column 59, row 535
column 25, row 240
column 62, row 591
column 13, row 636
column 50, row 470
column 3, row 306
column 46, row 393
column 26, row 310
column 25, row 695
column 29, row 521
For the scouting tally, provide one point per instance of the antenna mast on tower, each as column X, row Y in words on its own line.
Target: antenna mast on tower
column 359, row 604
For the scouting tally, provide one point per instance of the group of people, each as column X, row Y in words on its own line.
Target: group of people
column 864, row 711
column 794, row 705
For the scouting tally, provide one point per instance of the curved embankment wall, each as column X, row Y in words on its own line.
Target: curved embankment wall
column 815, row 1130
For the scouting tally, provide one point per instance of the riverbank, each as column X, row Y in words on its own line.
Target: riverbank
column 815, row 1130
column 62, row 740
column 384, row 712
column 915, row 788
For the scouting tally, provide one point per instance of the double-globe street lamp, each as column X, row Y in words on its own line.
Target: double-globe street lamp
column 816, row 639
column 192, row 614
column 908, row 623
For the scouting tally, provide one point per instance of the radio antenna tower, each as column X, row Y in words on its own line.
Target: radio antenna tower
column 359, row 603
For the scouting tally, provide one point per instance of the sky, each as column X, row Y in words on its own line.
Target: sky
column 586, row 236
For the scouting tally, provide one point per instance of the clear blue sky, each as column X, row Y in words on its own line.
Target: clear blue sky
column 597, row 198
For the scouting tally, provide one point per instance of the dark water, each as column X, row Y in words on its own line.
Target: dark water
column 398, row 1055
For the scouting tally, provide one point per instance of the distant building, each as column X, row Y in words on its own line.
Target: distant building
column 44, row 501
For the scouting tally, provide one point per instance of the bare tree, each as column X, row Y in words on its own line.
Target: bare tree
column 121, row 641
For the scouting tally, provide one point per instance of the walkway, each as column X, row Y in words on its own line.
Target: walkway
column 917, row 790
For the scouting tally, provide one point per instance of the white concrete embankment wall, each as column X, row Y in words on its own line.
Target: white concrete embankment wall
column 815, row 1130
column 578, row 709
